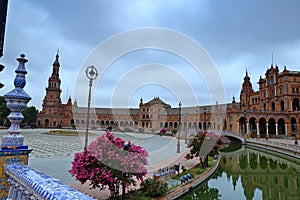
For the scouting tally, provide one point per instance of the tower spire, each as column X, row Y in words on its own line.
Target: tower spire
column 246, row 78
column 56, row 62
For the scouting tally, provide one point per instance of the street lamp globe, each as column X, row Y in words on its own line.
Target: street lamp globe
column 91, row 72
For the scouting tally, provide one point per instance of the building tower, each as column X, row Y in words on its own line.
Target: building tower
column 246, row 92
column 52, row 102
column 53, row 91
column 54, row 113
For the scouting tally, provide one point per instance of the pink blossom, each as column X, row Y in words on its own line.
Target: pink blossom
column 105, row 163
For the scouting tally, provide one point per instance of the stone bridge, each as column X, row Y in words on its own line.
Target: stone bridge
column 238, row 136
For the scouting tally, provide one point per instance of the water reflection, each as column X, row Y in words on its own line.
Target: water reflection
column 204, row 192
column 248, row 173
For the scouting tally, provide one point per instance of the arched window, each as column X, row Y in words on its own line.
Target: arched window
column 282, row 105
column 295, row 104
column 273, row 106
column 175, row 124
column 166, row 125
column 161, row 124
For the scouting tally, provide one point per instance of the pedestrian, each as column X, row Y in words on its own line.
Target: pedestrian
column 296, row 142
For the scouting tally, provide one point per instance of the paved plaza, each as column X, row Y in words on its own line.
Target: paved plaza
column 53, row 154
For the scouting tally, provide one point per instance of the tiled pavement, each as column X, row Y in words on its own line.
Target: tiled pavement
column 52, row 154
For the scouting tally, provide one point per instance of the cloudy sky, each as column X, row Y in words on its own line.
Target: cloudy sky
column 191, row 51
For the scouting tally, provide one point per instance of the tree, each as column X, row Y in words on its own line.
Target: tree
column 204, row 144
column 4, row 111
column 109, row 162
column 154, row 188
column 29, row 114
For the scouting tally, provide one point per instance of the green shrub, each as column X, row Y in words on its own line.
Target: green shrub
column 154, row 188
column 183, row 169
column 174, row 131
column 196, row 171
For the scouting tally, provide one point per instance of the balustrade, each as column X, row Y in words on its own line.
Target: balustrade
column 28, row 184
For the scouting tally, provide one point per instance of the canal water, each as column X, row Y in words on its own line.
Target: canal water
column 250, row 173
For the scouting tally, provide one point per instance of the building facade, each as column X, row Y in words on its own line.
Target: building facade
column 272, row 111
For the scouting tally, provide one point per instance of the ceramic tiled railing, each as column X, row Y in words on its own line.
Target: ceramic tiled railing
column 26, row 183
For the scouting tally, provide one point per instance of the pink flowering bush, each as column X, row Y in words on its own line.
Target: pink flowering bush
column 163, row 130
column 109, row 163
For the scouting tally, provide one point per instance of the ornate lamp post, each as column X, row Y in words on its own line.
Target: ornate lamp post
column 206, row 159
column 91, row 73
column 205, row 111
column 179, row 121
column 185, row 128
column 197, row 119
column 245, row 128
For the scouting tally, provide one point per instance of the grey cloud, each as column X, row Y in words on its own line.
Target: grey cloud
column 236, row 34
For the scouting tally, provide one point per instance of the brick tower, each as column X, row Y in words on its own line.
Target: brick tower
column 55, row 114
column 246, row 92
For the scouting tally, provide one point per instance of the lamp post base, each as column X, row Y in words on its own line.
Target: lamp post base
column 206, row 161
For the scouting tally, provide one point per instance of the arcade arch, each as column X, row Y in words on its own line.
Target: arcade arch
column 243, row 125
column 281, row 127
column 262, row 127
column 252, row 125
column 271, row 126
column 46, row 122
column 294, row 125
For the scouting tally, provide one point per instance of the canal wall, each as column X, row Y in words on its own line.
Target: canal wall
column 282, row 147
column 191, row 184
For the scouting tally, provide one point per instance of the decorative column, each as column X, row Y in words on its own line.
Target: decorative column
column 285, row 125
column 248, row 158
column 276, row 128
column 257, row 129
column 247, row 128
column 12, row 148
column 267, row 129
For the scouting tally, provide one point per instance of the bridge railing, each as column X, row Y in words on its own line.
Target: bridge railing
column 26, row 183
column 283, row 145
